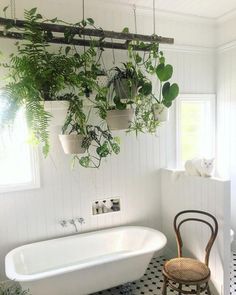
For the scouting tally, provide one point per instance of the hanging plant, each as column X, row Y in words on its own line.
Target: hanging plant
column 155, row 65
column 41, row 76
column 38, row 75
column 80, row 137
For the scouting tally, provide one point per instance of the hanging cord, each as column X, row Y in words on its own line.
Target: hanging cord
column 113, row 53
column 13, row 9
column 83, row 9
column 154, row 17
column 135, row 19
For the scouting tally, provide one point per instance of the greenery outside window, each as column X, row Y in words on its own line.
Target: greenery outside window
column 195, row 117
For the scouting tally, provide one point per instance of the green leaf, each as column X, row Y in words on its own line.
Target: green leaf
column 169, row 92
column 67, row 49
column 163, row 72
column 119, row 105
column 84, row 161
column 103, row 150
column 146, row 89
column 90, row 21
column 162, row 60
column 5, row 8
column 116, row 148
column 125, row 30
column 54, row 20
column 39, row 16
column 33, row 11
column 138, row 58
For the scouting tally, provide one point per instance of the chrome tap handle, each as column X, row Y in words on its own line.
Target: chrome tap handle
column 63, row 223
column 81, row 220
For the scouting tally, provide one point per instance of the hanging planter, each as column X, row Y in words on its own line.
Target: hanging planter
column 72, row 143
column 125, row 89
column 119, row 119
column 58, row 110
column 161, row 112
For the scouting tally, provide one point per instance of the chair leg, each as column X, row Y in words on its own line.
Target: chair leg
column 198, row 290
column 164, row 288
column 208, row 290
column 180, row 288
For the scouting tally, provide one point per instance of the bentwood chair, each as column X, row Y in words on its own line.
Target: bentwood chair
column 183, row 271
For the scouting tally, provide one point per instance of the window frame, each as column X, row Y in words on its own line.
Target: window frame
column 35, row 172
column 194, row 97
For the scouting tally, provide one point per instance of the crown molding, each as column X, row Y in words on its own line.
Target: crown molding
column 226, row 17
column 227, row 46
column 187, row 48
column 162, row 14
column 176, row 15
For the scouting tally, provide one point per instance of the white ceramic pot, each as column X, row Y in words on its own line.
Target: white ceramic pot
column 72, row 143
column 123, row 89
column 58, row 109
column 119, row 119
column 161, row 112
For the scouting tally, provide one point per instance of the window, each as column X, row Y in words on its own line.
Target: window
column 18, row 160
column 195, row 127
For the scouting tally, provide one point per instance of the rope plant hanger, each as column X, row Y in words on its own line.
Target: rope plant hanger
column 74, row 78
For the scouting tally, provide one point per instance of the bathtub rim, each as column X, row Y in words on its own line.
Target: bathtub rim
column 12, row 274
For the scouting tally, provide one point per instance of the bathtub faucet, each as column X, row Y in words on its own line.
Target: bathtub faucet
column 72, row 221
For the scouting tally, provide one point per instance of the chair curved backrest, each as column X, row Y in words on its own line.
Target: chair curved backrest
column 213, row 228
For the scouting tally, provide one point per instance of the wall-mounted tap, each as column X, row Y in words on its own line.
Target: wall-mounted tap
column 72, row 221
column 63, row 223
column 81, row 220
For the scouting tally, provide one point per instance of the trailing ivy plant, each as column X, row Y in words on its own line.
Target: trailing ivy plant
column 97, row 142
column 38, row 73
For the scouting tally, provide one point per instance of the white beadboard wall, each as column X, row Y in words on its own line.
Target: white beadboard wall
column 226, row 122
column 207, row 194
column 134, row 174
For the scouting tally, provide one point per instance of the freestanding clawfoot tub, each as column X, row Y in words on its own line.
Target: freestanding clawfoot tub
column 85, row 263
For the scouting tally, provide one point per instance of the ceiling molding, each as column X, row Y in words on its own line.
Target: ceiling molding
column 163, row 13
column 227, row 46
column 226, row 17
column 176, row 15
column 187, row 48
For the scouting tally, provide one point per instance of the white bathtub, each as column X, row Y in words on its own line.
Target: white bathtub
column 84, row 263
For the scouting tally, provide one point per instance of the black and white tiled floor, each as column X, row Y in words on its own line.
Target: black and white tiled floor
column 233, row 274
column 149, row 284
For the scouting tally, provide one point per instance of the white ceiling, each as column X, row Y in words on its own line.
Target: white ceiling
column 203, row 8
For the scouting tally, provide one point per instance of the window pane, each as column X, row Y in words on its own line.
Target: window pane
column 196, row 130
column 15, row 155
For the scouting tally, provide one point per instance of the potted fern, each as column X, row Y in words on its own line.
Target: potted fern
column 40, row 78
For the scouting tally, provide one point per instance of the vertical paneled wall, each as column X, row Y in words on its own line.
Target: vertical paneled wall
column 207, row 194
column 134, row 174
column 226, row 119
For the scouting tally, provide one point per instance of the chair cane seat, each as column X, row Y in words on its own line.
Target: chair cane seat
column 186, row 270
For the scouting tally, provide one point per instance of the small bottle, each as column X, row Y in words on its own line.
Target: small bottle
column 100, row 208
column 95, row 208
column 104, row 207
